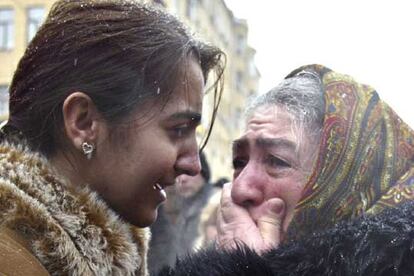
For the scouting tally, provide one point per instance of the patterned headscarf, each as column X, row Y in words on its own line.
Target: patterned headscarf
column 365, row 161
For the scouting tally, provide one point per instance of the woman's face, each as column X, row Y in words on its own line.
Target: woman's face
column 271, row 160
column 131, row 170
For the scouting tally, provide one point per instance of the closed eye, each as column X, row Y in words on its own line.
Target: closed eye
column 278, row 162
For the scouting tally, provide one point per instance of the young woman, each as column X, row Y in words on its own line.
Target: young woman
column 103, row 110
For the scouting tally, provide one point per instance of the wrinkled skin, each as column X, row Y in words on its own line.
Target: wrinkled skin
column 271, row 163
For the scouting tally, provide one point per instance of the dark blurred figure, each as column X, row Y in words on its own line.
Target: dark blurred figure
column 220, row 182
column 207, row 226
column 208, row 220
column 177, row 228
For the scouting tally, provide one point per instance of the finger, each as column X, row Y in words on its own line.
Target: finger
column 225, row 202
column 270, row 224
column 226, row 194
column 234, row 223
column 229, row 210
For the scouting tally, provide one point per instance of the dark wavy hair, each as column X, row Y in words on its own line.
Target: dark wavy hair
column 119, row 53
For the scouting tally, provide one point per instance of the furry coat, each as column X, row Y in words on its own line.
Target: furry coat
column 373, row 245
column 62, row 229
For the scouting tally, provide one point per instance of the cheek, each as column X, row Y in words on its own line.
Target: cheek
column 161, row 159
column 291, row 191
column 158, row 161
column 152, row 148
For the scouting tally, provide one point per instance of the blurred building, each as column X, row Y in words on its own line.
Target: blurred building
column 211, row 20
column 19, row 20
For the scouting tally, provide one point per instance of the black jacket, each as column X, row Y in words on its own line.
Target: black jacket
column 372, row 245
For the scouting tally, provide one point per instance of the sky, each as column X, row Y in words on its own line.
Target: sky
column 372, row 41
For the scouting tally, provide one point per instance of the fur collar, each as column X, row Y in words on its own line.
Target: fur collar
column 71, row 231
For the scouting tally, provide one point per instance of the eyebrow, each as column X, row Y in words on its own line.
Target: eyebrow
column 275, row 142
column 239, row 143
column 195, row 117
column 264, row 143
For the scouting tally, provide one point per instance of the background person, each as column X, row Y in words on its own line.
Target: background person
column 207, row 227
column 208, row 217
column 178, row 225
column 103, row 110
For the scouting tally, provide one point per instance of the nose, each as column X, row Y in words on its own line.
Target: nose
column 248, row 186
column 188, row 163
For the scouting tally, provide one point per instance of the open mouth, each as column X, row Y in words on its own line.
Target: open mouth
column 158, row 187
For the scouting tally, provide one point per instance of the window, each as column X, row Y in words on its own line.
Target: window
column 241, row 44
column 6, row 29
column 35, row 17
column 4, row 99
column 239, row 81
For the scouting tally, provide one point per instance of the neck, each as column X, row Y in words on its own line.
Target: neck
column 67, row 166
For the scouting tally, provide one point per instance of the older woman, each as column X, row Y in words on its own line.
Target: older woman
column 103, row 110
column 318, row 150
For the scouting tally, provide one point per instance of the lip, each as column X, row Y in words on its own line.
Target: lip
column 168, row 183
column 161, row 185
column 158, row 186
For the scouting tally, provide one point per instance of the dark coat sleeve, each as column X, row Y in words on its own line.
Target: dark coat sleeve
column 372, row 245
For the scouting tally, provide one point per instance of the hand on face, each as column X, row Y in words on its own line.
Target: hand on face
column 269, row 175
column 235, row 224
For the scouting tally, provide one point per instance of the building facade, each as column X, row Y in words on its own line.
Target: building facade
column 19, row 21
column 211, row 20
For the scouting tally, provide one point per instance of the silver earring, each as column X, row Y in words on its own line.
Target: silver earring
column 88, row 149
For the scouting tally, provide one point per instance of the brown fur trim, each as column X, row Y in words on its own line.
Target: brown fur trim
column 71, row 231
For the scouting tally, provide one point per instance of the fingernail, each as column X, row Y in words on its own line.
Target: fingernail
column 277, row 207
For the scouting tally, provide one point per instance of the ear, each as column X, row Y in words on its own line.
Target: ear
column 80, row 119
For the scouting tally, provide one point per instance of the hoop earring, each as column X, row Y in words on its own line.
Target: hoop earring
column 87, row 150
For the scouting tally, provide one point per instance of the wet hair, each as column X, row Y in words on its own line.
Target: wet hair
column 120, row 53
column 301, row 96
